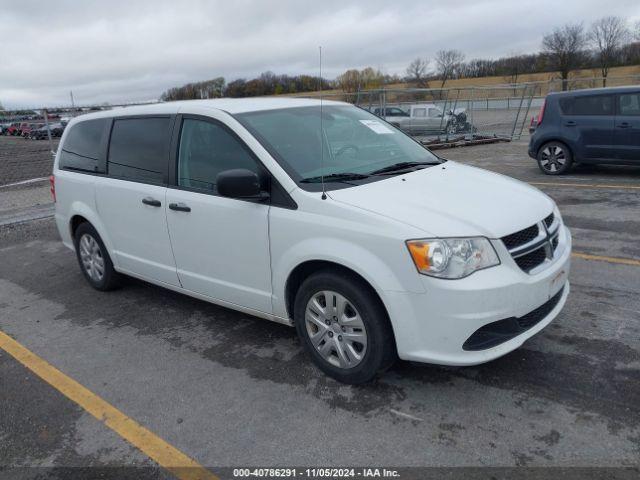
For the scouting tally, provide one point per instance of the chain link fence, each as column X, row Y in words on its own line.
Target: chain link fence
column 465, row 114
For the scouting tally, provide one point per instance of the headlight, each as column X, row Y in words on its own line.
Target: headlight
column 452, row 257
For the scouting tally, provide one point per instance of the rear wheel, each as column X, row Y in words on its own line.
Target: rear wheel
column 554, row 158
column 344, row 326
column 94, row 260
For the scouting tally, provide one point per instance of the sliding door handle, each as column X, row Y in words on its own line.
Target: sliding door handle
column 151, row 202
column 179, row 207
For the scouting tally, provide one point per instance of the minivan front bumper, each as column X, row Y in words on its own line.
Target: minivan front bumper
column 433, row 327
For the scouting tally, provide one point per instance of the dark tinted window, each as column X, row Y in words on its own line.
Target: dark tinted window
column 629, row 104
column 396, row 112
column 206, row 149
column 82, row 144
column 595, row 105
column 139, row 149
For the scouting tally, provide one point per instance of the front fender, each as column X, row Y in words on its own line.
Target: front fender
column 381, row 276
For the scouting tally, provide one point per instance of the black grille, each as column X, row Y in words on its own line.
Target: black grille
column 498, row 332
column 531, row 260
column 520, row 238
column 549, row 220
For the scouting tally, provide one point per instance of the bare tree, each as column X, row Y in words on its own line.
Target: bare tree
column 607, row 36
column 564, row 47
column 637, row 32
column 417, row 72
column 448, row 62
column 514, row 66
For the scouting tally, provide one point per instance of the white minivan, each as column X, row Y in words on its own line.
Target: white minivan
column 323, row 217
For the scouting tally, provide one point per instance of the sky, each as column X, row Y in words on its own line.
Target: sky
column 122, row 51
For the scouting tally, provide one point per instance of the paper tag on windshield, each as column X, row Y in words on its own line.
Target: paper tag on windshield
column 376, row 126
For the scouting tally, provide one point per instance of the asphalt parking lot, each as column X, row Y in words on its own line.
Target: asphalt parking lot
column 227, row 389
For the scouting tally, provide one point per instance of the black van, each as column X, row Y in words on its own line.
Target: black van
column 587, row 126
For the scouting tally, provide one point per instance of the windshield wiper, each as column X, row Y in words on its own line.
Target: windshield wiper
column 400, row 166
column 336, row 177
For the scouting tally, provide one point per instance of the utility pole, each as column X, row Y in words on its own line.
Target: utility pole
column 45, row 114
column 73, row 107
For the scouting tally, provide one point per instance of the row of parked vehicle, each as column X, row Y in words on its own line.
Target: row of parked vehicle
column 32, row 131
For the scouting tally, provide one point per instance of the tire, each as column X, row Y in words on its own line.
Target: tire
column 554, row 158
column 89, row 246
column 362, row 313
column 451, row 128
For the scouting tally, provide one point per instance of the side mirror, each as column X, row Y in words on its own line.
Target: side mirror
column 239, row 183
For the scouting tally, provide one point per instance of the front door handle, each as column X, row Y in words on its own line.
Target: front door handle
column 179, row 207
column 623, row 125
column 151, row 201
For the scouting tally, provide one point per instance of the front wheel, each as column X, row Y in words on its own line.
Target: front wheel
column 554, row 158
column 344, row 326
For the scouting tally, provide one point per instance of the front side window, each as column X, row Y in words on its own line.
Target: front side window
column 396, row 112
column 629, row 104
column 435, row 112
column 138, row 149
column 206, row 149
column 587, row 105
column 351, row 140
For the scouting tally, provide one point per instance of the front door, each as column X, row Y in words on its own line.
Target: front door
column 221, row 245
column 627, row 127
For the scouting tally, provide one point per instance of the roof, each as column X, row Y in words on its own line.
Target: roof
column 599, row 91
column 229, row 105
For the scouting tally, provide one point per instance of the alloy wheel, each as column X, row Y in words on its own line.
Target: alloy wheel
column 91, row 256
column 553, row 158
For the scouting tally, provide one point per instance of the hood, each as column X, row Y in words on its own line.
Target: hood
column 452, row 200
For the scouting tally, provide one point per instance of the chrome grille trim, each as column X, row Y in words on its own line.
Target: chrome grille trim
column 547, row 241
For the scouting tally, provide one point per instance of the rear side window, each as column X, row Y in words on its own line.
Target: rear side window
column 595, row 105
column 138, row 149
column 629, row 104
column 206, row 149
column 81, row 149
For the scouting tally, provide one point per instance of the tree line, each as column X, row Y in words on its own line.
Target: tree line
column 608, row 42
column 268, row 83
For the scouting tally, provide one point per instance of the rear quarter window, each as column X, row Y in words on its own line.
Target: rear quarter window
column 138, row 149
column 81, row 149
column 588, row 105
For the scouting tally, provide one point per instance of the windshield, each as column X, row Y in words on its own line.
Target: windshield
column 354, row 141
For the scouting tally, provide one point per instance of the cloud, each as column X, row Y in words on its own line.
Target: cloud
column 119, row 50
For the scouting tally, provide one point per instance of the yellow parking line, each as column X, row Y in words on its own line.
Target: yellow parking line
column 587, row 185
column 598, row 258
column 156, row 448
